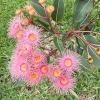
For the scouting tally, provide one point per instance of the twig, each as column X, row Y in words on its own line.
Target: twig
column 46, row 37
column 86, row 42
column 86, row 32
column 96, row 20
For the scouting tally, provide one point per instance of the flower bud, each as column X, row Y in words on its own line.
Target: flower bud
column 42, row 1
column 18, row 11
column 32, row 12
column 98, row 51
column 25, row 21
column 19, row 35
column 50, row 9
column 28, row 7
column 90, row 59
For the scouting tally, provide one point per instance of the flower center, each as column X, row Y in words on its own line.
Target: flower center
column 44, row 69
column 19, row 34
column 68, row 62
column 32, row 37
column 23, row 67
column 57, row 72
column 34, row 75
column 63, row 81
column 38, row 58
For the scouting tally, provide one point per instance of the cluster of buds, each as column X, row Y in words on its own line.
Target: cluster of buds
column 29, row 63
column 30, row 10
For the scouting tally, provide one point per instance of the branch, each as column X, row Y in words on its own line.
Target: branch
column 86, row 32
column 81, row 37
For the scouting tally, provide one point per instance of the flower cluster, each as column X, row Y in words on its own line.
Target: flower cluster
column 29, row 64
column 62, row 72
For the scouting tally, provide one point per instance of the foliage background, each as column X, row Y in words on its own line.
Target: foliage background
column 88, row 79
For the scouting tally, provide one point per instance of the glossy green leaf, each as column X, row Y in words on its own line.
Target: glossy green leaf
column 40, row 10
column 84, row 62
column 96, row 58
column 91, row 39
column 58, row 44
column 59, row 10
column 81, row 11
column 43, row 23
column 80, row 46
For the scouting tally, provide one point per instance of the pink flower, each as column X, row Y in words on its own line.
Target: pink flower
column 44, row 69
column 19, row 68
column 32, row 35
column 23, row 49
column 69, row 62
column 15, row 27
column 64, row 83
column 54, row 72
column 38, row 57
column 34, row 77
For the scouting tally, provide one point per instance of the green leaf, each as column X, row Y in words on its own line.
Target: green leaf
column 84, row 62
column 44, row 23
column 40, row 10
column 58, row 44
column 96, row 58
column 74, row 94
column 50, row 60
column 91, row 39
column 80, row 46
column 81, row 43
column 82, row 10
column 59, row 10
column 36, row 1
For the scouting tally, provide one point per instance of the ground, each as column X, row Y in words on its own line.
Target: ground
column 88, row 80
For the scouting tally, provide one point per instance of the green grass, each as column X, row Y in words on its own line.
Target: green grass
column 88, row 80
